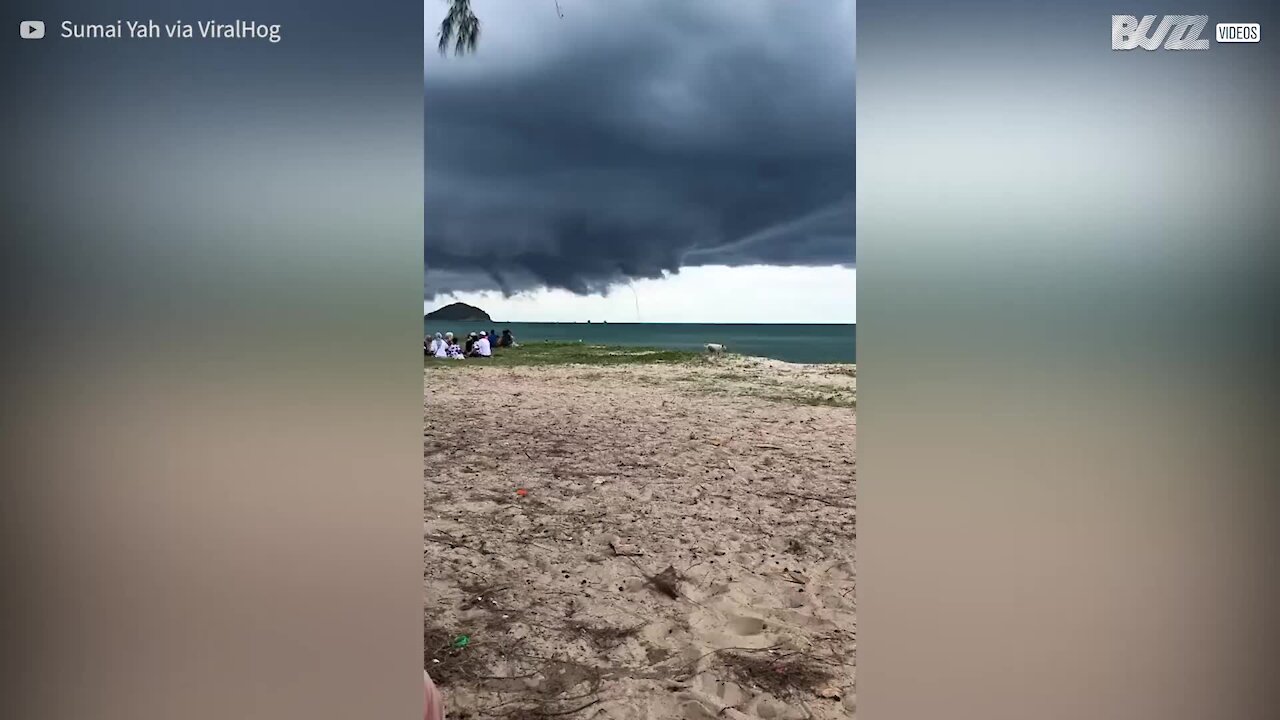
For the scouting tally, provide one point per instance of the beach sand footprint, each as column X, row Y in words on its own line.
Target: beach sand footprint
column 746, row 625
column 720, row 630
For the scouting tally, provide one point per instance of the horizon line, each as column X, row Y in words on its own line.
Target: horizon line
column 646, row 322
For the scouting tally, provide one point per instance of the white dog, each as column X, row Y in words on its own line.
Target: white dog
column 716, row 348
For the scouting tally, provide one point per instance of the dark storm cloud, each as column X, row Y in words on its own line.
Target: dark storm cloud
column 636, row 137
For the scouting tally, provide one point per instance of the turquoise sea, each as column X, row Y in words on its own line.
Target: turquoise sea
column 792, row 343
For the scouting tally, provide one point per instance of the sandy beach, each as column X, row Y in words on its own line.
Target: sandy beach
column 640, row 541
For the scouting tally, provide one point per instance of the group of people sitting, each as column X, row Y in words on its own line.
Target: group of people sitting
column 478, row 345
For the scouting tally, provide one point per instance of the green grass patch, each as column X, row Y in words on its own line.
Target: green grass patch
column 571, row 353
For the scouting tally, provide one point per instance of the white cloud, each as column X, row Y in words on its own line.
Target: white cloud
column 708, row 294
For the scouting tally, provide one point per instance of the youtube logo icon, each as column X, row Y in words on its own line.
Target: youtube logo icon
column 31, row 29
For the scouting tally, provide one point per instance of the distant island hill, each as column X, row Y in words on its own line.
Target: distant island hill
column 462, row 312
column 459, row 312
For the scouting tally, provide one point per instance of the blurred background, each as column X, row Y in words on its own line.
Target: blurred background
column 212, row 261
column 212, row 271
column 1067, row 345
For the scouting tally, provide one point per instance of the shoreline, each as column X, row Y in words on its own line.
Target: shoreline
column 584, row 353
column 794, row 344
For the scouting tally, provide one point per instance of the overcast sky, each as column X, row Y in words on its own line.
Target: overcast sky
column 696, row 155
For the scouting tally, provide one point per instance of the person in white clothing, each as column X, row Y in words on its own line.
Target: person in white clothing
column 482, row 348
column 434, row 347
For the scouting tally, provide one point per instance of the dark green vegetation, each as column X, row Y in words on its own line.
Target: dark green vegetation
column 460, row 26
column 459, row 312
column 566, row 353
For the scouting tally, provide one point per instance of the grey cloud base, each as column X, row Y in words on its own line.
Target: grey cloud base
column 633, row 140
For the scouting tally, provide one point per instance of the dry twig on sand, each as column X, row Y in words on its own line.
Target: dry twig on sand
column 666, row 582
column 783, row 675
